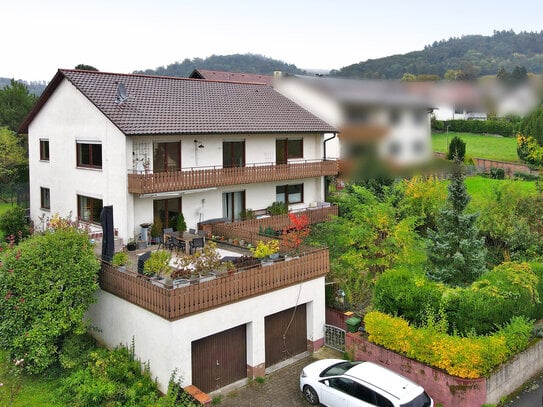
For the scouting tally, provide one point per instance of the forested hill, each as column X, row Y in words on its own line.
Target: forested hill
column 34, row 87
column 248, row 63
column 475, row 55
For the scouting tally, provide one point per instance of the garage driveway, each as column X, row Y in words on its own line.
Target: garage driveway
column 280, row 388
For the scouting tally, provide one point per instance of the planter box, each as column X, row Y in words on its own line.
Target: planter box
column 452, row 391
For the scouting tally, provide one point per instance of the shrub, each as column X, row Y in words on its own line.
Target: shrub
column 277, row 208
column 437, row 125
column 497, row 173
column 158, row 226
column 13, row 222
column 46, row 285
column 181, row 225
column 119, row 259
column 457, row 148
column 247, row 214
column 502, row 127
column 158, row 263
column 466, row 357
column 403, row 293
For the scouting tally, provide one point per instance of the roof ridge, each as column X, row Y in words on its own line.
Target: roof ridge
column 182, row 78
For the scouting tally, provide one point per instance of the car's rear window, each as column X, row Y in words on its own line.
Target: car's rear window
column 422, row 400
column 337, row 369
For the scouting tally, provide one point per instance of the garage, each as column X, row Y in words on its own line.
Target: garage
column 219, row 359
column 286, row 334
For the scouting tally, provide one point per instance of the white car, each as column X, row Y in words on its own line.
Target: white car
column 340, row 383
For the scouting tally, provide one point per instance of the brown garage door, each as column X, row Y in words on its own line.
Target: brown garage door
column 286, row 334
column 219, row 359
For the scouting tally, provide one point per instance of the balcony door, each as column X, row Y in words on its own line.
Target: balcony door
column 167, row 157
column 167, row 210
column 288, row 148
column 233, row 154
column 233, row 205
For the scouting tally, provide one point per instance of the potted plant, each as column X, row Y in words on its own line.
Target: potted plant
column 156, row 230
column 120, row 259
column 265, row 250
column 158, row 264
column 247, row 214
column 131, row 245
column 277, row 208
column 181, row 224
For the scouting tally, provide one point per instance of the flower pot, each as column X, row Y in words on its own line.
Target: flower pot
column 131, row 246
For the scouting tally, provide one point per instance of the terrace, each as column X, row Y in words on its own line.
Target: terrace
column 211, row 177
column 238, row 278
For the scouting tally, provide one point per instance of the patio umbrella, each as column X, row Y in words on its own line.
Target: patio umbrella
column 106, row 219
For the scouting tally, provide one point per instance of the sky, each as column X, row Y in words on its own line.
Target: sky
column 40, row 36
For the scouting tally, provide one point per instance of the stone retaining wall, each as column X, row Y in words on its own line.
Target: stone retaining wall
column 449, row 390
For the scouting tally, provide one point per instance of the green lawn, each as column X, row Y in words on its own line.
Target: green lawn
column 4, row 206
column 37, row 390
column 481, row 146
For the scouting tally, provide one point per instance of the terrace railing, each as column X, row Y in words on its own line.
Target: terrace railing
column 210, row 177
column 177, row 303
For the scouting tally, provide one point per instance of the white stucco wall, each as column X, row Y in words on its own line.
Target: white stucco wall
column 68, row 117
column 167, row 345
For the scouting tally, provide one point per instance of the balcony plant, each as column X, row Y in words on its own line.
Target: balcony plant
column 158, row 264
column 277, row 208
column 180, row 223
column 201, row 262
column 247, row 214
column 156, row 229
column 265, row 250
column 120, row 259
column 296, row 232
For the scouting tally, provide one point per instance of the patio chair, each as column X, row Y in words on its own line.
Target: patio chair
column 168, row 242
column 196, row 243
column 192, row 231
column 180, row 246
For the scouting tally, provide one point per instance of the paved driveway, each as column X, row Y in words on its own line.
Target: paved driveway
column 280, row 388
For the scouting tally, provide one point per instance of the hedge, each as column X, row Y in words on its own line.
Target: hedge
column 465, row 357
column 501, row 127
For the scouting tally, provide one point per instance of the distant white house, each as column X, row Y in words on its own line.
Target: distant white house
column 375, row 111
column 154, row 147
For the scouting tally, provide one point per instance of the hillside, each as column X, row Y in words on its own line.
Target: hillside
column 34, row 87
column 248, row 63
column 474, row 54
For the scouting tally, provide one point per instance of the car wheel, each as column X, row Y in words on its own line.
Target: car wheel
column 311, row 395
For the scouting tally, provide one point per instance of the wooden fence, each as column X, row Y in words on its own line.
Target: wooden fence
column 197, row 178
column 176, row 303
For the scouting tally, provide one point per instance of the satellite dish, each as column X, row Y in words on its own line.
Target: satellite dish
column 121, row 93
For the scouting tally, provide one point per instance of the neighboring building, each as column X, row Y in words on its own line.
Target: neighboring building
column 380, row 112
column 231, row 76
column 158, row 146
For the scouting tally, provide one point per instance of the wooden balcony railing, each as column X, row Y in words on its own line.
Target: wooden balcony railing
column 177, row 303
column 210, row 177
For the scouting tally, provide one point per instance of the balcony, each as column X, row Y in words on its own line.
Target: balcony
column 211, row 177
column 176, row 303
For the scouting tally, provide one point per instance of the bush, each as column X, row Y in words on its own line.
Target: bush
column 14, row 222
column 466, row 357
column 457, row 149
column 502, row 127
column 437, row 125
column 497, row 173
column 46, row 285
column 180, row 223
column 119, row 259
column 277, row 208
column 508, row 290
column 157, row 228
column 406, row 294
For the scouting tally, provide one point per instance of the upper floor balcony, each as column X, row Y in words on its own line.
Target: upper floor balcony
column 211, row 177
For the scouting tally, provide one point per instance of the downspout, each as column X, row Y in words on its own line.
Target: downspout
column 324, row 144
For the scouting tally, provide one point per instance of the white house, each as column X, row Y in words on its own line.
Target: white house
column 153, row 147
column 381, row 112
column 157, row 146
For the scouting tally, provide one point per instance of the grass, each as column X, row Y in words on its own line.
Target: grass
column 37, row 390
column 5, row 206
column 478, row 186
column 480, row 146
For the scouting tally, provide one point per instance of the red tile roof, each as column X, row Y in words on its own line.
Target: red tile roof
column 232, row 76
column 168, row 105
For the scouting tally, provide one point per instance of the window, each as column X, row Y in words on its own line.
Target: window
column 288, row 148
column 233, row 205
column 289, row 194
column 88, row 209
column 45, row 198
column 338, row 369
column 44, row 150
column 342, row 384
column 89, row 155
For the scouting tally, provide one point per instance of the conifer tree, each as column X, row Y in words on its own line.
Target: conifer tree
column 456, row 254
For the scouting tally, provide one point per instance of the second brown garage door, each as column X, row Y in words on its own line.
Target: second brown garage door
column 286, row 334
column 219, row 359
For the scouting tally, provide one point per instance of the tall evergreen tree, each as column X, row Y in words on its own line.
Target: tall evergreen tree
column 456, row 254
